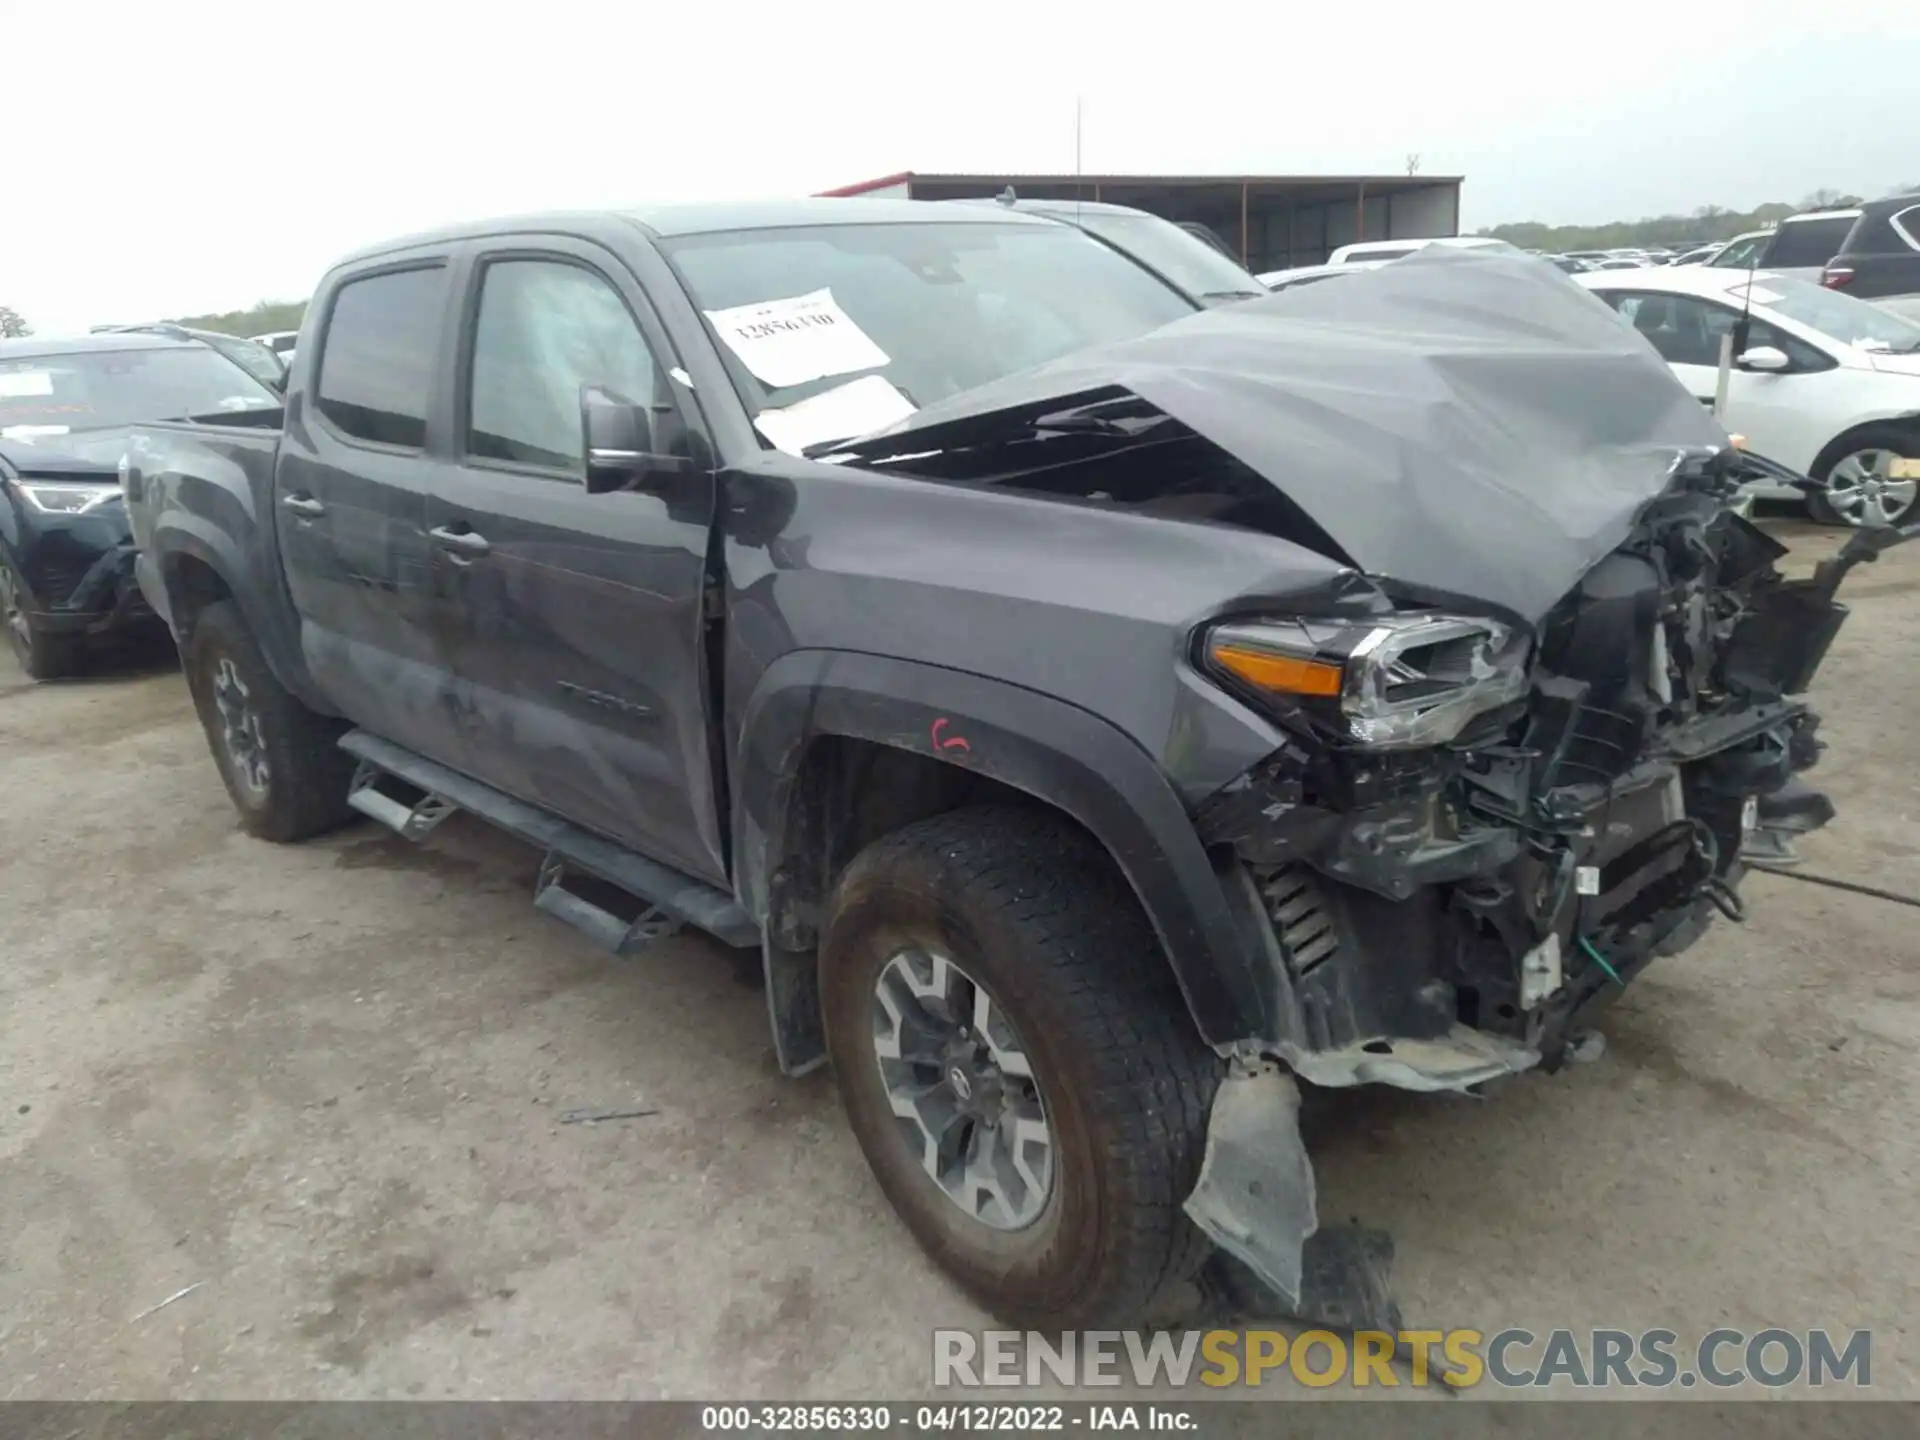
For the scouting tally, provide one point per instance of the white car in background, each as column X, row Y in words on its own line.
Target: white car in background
column 1827, row 385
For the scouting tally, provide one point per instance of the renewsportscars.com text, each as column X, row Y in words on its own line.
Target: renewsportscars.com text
column 1513, row 1358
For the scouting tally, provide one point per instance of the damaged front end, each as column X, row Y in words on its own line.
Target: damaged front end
column 1439, row 909
column 1526, row 740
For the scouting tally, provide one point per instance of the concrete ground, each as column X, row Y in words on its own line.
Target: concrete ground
column 324, row 1084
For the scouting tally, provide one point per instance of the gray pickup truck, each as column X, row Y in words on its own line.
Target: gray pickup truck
column 1100, row 713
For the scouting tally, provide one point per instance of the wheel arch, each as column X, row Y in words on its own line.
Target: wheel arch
column 1837, row 447
column 199, row 566
column 836, row 749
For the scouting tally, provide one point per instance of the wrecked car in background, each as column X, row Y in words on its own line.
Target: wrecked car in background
column 1098, row 713
column 66, row 553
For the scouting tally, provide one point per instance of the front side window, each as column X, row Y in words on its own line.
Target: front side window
column 377, row 356
column 1687, row 331
column 1741, row 254
column 545, row 329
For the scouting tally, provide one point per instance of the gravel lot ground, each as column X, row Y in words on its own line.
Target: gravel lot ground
column 324, row 1083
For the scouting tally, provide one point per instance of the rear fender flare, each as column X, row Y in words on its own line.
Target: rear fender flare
column 1058, row 753
column 181, row 536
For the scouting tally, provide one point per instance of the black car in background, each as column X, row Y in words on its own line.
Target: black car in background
column 1880, row 258
column 66, row 554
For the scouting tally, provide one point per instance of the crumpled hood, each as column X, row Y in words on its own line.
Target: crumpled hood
column 1470, row 423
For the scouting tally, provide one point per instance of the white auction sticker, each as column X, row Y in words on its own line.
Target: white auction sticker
column 18, row 384
column 845, row 412
column 789, row 342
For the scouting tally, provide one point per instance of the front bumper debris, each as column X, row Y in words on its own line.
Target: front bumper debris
column 1254, row 1198
column 1435, row 921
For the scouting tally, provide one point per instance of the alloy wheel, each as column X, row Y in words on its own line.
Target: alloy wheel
column 959, row 1082
column 240, row 732
column 1862, row 491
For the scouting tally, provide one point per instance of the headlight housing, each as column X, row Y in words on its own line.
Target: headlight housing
column 1392, row 682
column 61, row 497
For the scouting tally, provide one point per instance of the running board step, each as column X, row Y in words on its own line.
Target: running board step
column 413, row 819
column 671, row 898
column 610, row 931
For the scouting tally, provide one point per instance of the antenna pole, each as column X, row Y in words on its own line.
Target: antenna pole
column 1077, row 171
column 1735, row 337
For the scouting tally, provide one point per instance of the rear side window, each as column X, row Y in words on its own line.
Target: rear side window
column 377, row 357
column 1809, row 242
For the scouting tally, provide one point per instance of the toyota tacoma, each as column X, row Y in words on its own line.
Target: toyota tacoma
column 1101, row 714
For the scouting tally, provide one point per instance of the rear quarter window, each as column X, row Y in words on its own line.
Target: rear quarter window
column 378, row 355
column 1809, row 242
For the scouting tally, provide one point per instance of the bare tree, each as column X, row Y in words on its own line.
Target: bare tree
column 12, row 324
column 1828, row 200
column 1413, row 164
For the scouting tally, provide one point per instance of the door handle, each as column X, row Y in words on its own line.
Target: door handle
column 303, row 505
column 466, row 541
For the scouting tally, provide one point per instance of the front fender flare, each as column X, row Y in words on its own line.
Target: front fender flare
column 1058, row 753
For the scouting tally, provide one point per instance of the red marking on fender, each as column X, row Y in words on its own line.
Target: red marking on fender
column 951, row 742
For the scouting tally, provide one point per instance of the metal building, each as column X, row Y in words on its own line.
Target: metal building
column 1269, row 221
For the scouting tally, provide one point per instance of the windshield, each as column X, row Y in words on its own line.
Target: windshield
column 833, row 331
column 1183, row 259
column 1840, row 317
column 95, row 389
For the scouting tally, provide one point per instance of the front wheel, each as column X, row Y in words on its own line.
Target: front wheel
column 1857, row 471
column 42, row 655
column 1018, row 1065
column 281, row 762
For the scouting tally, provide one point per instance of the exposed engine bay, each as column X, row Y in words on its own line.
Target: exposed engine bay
column 1442, row 914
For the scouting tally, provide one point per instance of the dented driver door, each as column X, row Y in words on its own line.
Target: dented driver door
column 573, row 623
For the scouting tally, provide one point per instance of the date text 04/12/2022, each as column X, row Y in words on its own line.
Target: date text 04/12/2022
column 963, row 1418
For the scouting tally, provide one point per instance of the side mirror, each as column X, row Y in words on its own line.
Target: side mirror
column 618, row 445
column 1764, row 358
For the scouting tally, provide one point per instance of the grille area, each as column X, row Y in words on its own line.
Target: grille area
column 1301, row 918
column 55, row 583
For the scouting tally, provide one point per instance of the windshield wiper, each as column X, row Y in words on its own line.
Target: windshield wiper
column 1232, row 294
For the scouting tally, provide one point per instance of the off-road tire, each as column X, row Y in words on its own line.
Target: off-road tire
column 42, row 655
column 1029, row 906
column 308, row 772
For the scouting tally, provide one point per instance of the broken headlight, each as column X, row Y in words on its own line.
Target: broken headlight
column 1387, row 683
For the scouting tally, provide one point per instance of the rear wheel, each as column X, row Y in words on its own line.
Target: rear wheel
column 281, row 762
column 42, row 655
column 1857, row 471
column 1018, row 1065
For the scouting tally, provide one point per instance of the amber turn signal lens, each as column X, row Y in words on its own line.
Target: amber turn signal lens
column 1285, row 673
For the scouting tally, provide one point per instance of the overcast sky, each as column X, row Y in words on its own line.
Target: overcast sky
column 193, row 155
